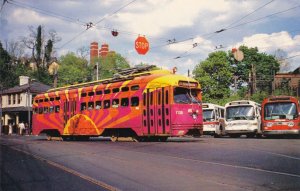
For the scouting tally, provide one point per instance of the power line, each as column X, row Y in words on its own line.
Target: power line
column 249, row 14
column 224, row 29
column 47, row 12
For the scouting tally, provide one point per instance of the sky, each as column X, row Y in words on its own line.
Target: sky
column 181, row 33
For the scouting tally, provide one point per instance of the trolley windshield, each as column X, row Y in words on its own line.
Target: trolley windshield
column 208, row 115
column 186, row 96
column 240, row 113
column 280, row 111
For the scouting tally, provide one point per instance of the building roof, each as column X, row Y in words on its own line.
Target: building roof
column 35, row 87
column 16, row 109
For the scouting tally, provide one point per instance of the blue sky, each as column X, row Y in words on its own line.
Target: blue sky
column 267, row 24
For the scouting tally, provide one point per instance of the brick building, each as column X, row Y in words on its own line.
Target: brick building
column 290, row 80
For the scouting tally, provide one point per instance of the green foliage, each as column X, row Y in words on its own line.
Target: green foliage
column 109, row 65
column 264, row 66
column 73, row 70
column 215, row 76
column 259, row 96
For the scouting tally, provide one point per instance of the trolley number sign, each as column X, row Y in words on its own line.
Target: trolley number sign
column 141, row 45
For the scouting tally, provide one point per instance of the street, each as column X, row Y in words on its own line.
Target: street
column 204, row 163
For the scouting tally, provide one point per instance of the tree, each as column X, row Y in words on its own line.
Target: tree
column 261, row 66
column 110, row 64
column 73, row 70
column 6, row 68
column 215, row 76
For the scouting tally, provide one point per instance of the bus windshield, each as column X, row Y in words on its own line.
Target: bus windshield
column 240, row 113
column 280, row 111
column 185, row 96
column 208, row 115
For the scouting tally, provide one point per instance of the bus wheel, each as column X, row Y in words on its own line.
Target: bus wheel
column 162, row 139
column 217, row 135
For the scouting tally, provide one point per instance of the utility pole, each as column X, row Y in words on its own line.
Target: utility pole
column 1, row 110
column 97, row 71
column 28, row 106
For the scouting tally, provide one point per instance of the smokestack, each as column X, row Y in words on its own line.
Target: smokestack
column 104, row 50
column 93, row 52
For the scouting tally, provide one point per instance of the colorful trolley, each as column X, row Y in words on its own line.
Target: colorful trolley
column 137, row 103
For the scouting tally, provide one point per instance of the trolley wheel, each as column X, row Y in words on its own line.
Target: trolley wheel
column 49, row 137
column 113, row 139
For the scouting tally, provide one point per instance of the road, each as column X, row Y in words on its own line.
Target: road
column 204, row 163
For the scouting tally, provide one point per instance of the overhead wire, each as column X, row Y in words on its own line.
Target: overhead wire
column 225, row 29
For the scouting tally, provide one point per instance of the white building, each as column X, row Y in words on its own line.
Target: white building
column 16, row 102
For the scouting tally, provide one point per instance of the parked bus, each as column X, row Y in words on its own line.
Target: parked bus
column 136, row 103
column 242, row 118
column 213, row 119
column 280, row 116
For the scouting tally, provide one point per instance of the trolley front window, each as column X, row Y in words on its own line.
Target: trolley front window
column 208, row 115
column 186, row 96
column 281, row 110
column 240, row 113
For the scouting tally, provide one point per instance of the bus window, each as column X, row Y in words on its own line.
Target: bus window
column 115, row 103
column 98, row 105
column 134, row 101
column 41, row 100
column 46, row 109
column 40, row 110
column 184, row 95
column 167, row 97
column 124, row 102
column 82, row 106
column 51, row 109
column 91, row 94
column 46, row 100
column 57, row 108
column 90, row 105
column 99, row 92
column 125, row 89
column 57, row 98
column 151, row 98
column 106, row 104
column 107, row 91
column 83, row 94
column 134, row 88
column 116, row 90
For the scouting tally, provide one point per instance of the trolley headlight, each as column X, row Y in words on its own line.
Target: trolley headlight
column 269, row 124
column 291, row 124
column 194, row 116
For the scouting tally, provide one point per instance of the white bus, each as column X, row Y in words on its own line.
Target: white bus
column 243, row 117
column 213, row 119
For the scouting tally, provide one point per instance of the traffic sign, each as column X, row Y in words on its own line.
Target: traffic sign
column 141, row 45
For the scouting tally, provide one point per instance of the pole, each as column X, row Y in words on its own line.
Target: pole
column 28, row 106
column 97, row 72
column 1, row 111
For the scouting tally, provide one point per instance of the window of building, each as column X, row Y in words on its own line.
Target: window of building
column 14, row 98
column 19, row 98
column 134, row 101
column 8, row 99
